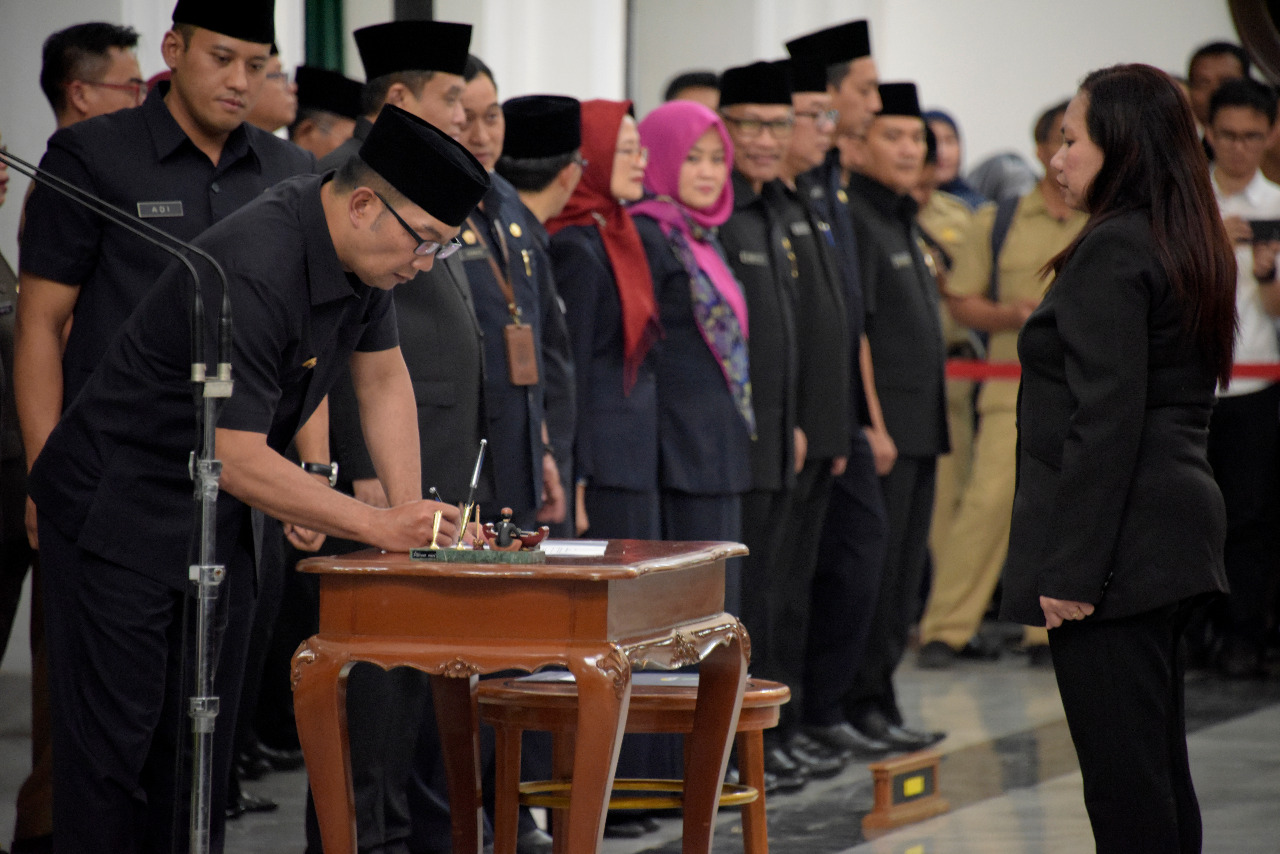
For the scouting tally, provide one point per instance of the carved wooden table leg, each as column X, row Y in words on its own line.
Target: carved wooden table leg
column 458, row 722
column 320, row 706
column 561, row 769
column 721, row 680
column 604, row 691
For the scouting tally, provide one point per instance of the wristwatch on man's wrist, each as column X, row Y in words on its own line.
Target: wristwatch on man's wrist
column 330, row 471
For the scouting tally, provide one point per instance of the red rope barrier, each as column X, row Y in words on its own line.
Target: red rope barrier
column 977, row 369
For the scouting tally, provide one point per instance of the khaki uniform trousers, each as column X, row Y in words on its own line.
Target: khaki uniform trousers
column 974, row 546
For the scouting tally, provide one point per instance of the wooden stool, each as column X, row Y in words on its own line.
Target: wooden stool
column 660, row 703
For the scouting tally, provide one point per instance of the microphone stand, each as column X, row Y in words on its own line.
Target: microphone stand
column 205, row 470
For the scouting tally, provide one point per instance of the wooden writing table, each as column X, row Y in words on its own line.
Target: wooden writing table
column 641, row 603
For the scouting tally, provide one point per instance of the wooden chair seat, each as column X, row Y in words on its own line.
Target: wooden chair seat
column 660, row 703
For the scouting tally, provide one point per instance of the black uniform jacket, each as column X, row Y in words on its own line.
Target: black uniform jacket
column 113, row 475
column 1116, row 503
column 616, row 433
column 560, row 390
column 760, row 256
column 704, row 444
column 825, row 189
column 823, row 388
column 903, row 323
column 514, row 413
column 139, row 160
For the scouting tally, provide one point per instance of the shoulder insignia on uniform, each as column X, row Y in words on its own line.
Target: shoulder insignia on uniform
column 309, row 363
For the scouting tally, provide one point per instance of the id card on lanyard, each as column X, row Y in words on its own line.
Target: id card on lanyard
column 517, row 336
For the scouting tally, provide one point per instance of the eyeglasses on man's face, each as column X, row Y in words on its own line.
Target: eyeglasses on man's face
column 424, row 247
column 135, row 87
column 820, row 118
column 752, row 128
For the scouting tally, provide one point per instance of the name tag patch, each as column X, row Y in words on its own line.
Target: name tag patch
column 755, row 259
column 900, row 260
column 159, row 210
column 473, row 253
column 800, row 228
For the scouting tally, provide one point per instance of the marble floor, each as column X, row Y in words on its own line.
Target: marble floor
column 1008, row 771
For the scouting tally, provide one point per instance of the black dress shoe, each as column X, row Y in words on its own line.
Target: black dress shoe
column 251, row 766
column 1038, row 656
column 875, row 725
column 279, row 759
column 936, row 655
column 817, row 761
column 845, row 738
column 979, row 649
column 533, row 841
column 790, row 776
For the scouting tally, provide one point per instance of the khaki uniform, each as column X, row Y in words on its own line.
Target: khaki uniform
column 946, row 219
column 972, row 552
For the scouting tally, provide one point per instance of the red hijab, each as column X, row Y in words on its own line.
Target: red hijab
column 592, row 203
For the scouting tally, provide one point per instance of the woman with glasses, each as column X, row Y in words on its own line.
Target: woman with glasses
column 603, row 277
column 705, row 417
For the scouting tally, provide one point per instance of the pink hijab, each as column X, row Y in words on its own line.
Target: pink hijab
column 669, row 132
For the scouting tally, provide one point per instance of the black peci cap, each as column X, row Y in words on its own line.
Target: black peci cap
column 413, row 46
column 542, row 126
column 250, row 20
column 322, row 89
column 429, row 167
column 757, row 83
column 899, row 99
column 807, row 75
column 841, row 43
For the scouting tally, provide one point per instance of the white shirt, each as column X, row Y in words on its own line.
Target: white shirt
column 1255, row 330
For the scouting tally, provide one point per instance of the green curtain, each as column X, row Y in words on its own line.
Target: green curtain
column 325, row 34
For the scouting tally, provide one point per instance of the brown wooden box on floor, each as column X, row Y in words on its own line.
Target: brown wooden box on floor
column 906, row 791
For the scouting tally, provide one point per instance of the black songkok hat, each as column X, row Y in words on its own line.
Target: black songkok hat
column 841, row 43
column 807, row 75
column 429, row 167
column 322, row 89
column 413, row 46
column 899, row 99
column 757, row 83
column 542, row 126
column 250, row 20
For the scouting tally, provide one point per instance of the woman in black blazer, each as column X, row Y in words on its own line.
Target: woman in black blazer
column 1118, row 525
column 705, row 418
column 603, row 276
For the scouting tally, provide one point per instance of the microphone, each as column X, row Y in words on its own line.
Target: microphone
column 222, row 385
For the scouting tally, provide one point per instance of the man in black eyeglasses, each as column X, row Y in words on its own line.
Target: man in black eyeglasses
column 311, row 265
column 90, row 70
